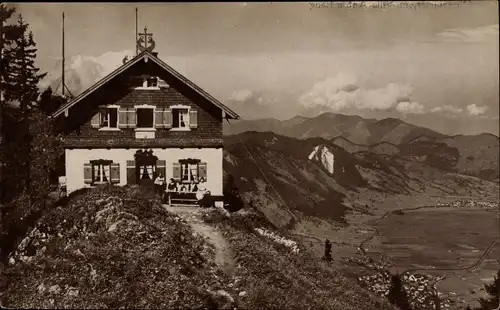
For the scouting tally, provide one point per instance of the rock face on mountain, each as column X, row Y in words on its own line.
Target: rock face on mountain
column 472, row 155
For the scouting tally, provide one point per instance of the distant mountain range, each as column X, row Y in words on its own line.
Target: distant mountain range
column 475, row 155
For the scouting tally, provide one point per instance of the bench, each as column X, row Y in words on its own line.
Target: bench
column 189, row 199
column 180, row 198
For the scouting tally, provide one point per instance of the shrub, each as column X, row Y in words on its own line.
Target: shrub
column 274, row 277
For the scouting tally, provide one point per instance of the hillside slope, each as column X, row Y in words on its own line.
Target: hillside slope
column 293, row 178
column 116, row 247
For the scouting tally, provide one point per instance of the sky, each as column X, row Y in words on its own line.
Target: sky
column 434, row 65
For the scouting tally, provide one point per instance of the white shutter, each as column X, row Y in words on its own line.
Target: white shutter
column 167, row 118
column 122, row 118
column 193, row 119
column 96, row 120
column 159, row 118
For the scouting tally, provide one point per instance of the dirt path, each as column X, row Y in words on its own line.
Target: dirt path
column 223, row 254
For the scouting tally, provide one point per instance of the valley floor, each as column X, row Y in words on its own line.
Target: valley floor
column 421, row 234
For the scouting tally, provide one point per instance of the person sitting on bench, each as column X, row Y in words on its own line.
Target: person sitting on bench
column 203, row 195
column 172, row 187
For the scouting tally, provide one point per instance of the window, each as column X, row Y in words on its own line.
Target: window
column 149, row 82
column 152, row 82
column 189, row 172
column 109, row 118
column 145, row 117
column 180, row 118
column 147, row 172
column 100, row 173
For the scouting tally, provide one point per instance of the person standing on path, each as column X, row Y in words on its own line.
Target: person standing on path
column 328, row 251
column 160, row 183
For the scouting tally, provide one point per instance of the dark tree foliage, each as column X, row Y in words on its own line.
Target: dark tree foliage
column 493, row 290
column 11, row 33
column 23, row 75
column 30, row 147
column 45, row 151
column 8, row 34
column 49, row 102
column 232, row 198
column 397, row 294
column 15, row 154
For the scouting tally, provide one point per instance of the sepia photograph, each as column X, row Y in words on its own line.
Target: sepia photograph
column 250, row 155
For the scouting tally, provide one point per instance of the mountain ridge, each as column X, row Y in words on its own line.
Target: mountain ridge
column 388, row 137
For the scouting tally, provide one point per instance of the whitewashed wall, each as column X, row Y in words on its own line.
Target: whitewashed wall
column 76, row 158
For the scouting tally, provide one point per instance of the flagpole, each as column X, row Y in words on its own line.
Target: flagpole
column 136, row 33
column 63, row 59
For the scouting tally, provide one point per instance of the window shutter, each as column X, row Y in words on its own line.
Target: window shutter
column 115, row 173
column 159, row 118
column 167, row 118
column 131, row 119
column 176, row 174
column 131, row 176
column 161, row 167
column 193, row 118
column 202, row 171
column 96, row 120
column 122, row 118
column 87, row 173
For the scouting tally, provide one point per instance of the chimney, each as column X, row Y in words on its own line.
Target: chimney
column 155, row 54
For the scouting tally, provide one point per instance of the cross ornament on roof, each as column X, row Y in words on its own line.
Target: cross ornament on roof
column 145, row 41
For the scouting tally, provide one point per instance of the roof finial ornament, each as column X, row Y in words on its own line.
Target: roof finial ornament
column 145, row 41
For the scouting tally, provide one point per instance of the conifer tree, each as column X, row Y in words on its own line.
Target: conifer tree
column 493, row 290
column 20, row 78
column 9, row 33
column 397, row 294
column 24, row 76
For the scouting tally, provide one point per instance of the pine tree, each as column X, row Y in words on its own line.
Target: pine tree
column 8, row 34
column 20, row 79
column 24, row 76
column 397, row 294
column 493, row 290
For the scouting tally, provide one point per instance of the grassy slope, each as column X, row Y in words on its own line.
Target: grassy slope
column 276, row 278
column 109, row 249
column 117, row 247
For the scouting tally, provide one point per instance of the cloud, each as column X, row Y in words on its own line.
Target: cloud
column 343, row 92
column 406, row 107
column 470, row 35
column 476, row 110
column 447, row 109
column 241, row 95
